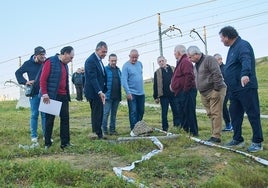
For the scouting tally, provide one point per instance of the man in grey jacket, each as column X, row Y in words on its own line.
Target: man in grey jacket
column 210, row 83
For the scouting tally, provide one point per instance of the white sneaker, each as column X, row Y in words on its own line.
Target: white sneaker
column 34, row 139
column 34, row 145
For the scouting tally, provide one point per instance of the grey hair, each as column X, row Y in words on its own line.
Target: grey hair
column 181, row 49
column 161, row 57
column 100, row 45
column 134, row 51
column 217, row 56
column 193, row 50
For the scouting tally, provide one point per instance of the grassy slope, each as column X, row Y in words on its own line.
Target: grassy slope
column 183, row 163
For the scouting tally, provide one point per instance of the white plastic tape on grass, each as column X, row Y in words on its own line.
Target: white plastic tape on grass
column 26, row 147
column 118, row 170
column 258, row 159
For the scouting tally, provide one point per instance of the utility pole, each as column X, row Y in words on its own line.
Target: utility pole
column 72, row 71
column 160, row 33
column 19, row 61
column 21, row 90
column 203, row 40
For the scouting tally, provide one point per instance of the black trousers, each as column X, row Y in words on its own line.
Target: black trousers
column 187, row 101
column 225, row 111
column 246, row 100
column 79, row 92
column 64, row 123
column 96, row 115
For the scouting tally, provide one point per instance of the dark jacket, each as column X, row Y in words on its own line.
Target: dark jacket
column 55, row 76
column 183, row 77
column 77, row 78
column 240, row 62
column 95, row 78
column 222, row 69
column 109, row 73
column 161, row 83
column 32, row 69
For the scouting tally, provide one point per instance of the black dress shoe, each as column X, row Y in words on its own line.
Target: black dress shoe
column 47, row 146
column 102, row 137
column 195, row 134
column 66, row 146
column 214, row 139
column 112, row 133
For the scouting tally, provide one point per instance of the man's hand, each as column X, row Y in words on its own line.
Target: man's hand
column 30, row 82
column 157, row 101
column 102, row 96
column 244, row 81
column 170, row 88
column 129, row 97
column 46, row 99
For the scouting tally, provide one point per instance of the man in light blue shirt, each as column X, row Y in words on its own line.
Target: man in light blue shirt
column 132, row 81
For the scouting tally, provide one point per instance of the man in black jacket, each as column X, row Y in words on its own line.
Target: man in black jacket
column 77, row 79
column 96, row 86
column 242, row 83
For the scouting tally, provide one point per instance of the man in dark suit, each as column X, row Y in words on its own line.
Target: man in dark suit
column 95, row 86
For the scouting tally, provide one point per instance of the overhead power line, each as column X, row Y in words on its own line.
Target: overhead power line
column 190, row 6
column 112, row 29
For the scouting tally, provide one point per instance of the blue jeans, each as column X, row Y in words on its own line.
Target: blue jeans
column 34, row 103
column 110, row 106
column 135, row 109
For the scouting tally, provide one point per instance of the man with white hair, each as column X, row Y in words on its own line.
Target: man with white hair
column 162, row 93
column 184, row 87
column 132, row 82
column 209, row 82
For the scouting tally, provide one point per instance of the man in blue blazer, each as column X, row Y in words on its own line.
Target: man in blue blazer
column 96, row 86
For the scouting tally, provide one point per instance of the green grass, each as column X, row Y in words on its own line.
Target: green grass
column 183, row 163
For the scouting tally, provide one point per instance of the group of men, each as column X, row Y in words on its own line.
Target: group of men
column 101, row 85
column 50, row 80
column 103, row 90
column 176, row 86
column 197, row 71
